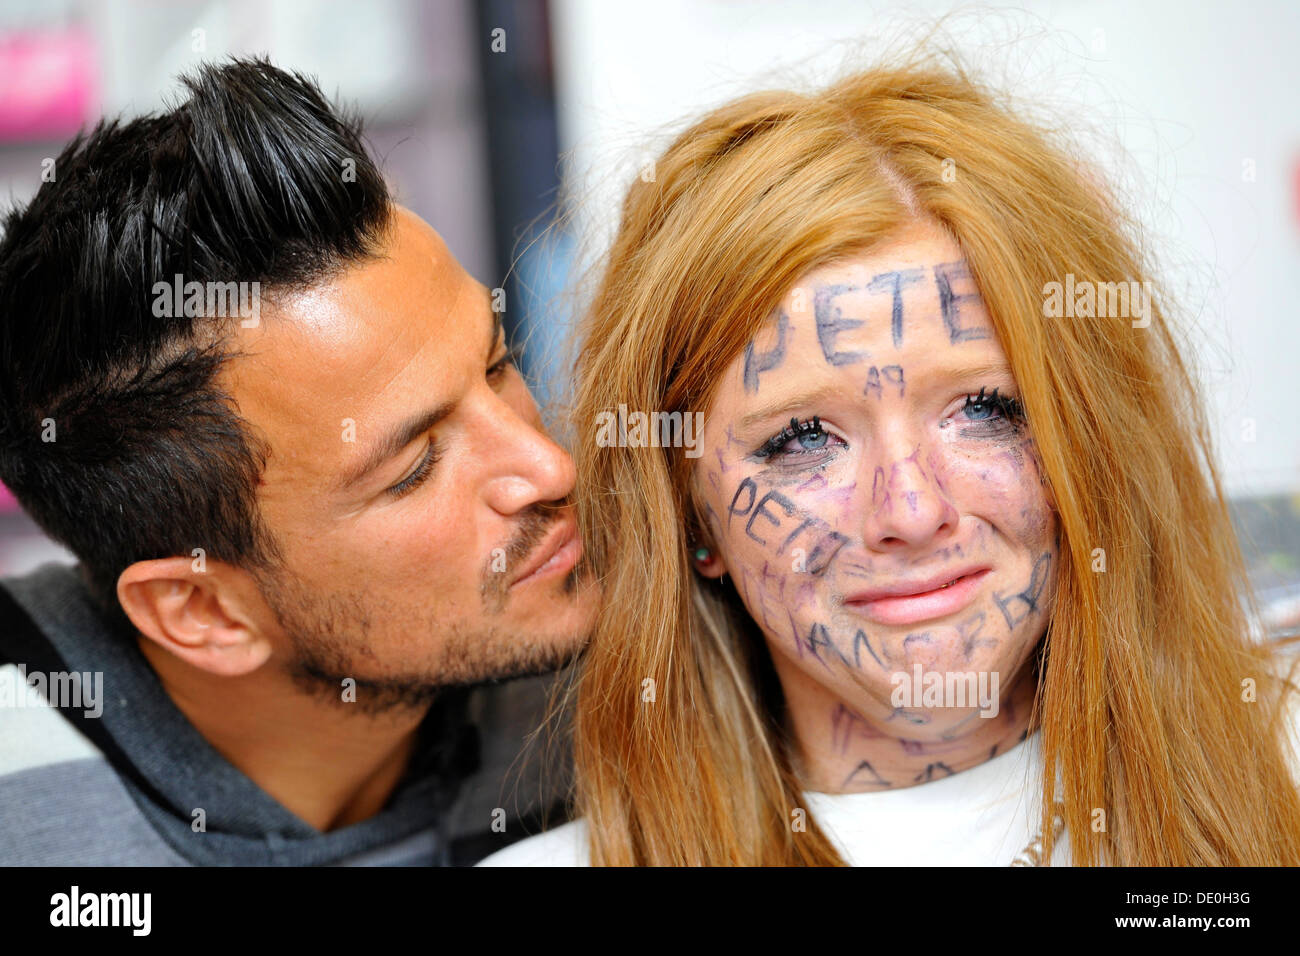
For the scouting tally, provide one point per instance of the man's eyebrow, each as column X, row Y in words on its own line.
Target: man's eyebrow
column 408, row 431
column 394, row 441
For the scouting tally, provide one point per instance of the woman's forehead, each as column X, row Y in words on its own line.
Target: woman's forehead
column 850, row 319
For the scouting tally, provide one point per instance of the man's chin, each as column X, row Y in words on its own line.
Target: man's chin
column 511, row 661
column 560, row 657
column 384, row 694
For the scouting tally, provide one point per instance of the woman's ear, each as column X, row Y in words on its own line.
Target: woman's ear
column 704, row 555
column 707, row 561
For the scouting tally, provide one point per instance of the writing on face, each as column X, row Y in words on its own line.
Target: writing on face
column 870, row 481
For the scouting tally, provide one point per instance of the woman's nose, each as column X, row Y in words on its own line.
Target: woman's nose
column 907, row 507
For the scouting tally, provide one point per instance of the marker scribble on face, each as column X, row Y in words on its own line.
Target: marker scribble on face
column 760, row 511
column 970, row 630
column 814, row 483
column 748, row 485
column 949, row 495
column 879, row 490
column 932, row 460
column 950, row 301
column 925, row 637
column 893, row 283
column 928, row 773
column 847, row 724
column 877, row 378
column 1028, row 597
column 865, row 775
column 860, row 639
column 756, row 362
column 819, row 637
column 898, row 468
column 831, row 322
column 841, row 498
column 909, row 716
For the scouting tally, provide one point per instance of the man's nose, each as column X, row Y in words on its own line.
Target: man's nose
column 524, row 466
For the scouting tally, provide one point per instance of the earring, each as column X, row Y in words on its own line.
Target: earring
column 701, row 554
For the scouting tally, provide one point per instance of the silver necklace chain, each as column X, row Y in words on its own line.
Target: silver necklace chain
column 1032, row 855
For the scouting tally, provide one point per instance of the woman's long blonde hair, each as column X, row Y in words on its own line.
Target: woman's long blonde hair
column 680, row 757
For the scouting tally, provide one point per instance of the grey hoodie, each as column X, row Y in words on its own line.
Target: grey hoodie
column 116, row 775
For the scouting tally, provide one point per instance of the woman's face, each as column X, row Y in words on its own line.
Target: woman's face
column 867, row 483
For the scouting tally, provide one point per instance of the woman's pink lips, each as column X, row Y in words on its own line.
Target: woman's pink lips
column 913, row 608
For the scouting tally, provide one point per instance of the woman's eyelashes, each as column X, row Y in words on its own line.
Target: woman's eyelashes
column 992, row 414
column 984, row 414
column 805, row 437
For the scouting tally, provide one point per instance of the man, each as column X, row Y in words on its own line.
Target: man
column 310, row 495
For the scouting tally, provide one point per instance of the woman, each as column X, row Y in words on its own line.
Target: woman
column 947, row 575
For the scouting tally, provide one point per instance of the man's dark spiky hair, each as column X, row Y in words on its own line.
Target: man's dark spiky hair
column 254, row 178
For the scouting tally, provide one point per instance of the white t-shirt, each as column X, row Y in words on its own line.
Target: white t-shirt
column 984, row 816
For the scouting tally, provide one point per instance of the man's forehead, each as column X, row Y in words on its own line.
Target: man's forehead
column 356, row 344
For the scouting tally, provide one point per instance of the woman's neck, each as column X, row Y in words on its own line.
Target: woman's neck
column 840, row 749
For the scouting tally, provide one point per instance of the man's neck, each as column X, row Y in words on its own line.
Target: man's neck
column 329, row 765
column 842, row 750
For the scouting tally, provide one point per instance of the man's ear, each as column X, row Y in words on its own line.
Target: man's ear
column 199, row 616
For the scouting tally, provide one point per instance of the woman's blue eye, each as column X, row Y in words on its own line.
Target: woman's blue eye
column 979, row 408
column 809, row 434
column 812, row 440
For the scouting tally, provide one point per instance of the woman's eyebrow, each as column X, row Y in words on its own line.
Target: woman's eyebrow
column 793, row 403
column 787, row 405
column 968, row 371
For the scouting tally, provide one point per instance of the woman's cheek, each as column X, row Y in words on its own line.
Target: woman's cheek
column 779, row 534
column 1001, row 485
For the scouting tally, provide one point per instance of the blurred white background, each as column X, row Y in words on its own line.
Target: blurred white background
column 1191, row 108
